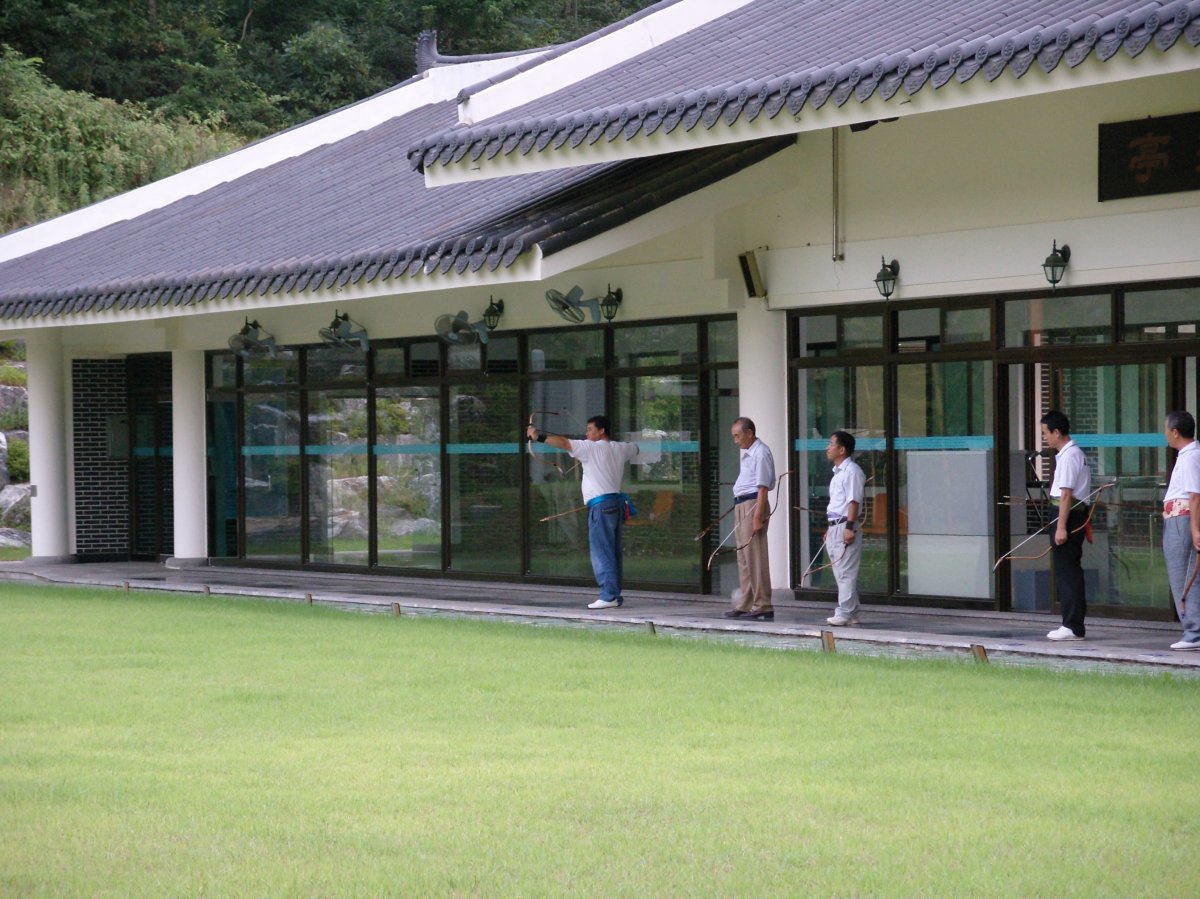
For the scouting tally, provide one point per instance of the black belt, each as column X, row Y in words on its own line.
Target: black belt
column 834, row 521
column 738, row 500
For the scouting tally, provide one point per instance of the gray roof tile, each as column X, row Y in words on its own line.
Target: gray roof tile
column 776, row 54
column 351, row 211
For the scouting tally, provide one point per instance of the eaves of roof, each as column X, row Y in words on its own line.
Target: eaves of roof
column 866, row 71
column 610, row 196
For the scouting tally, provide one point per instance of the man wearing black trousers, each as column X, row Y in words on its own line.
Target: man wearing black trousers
column 1071, row 488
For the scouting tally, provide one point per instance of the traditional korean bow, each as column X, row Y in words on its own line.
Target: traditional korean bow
column 1011, row 556
column 737, row 549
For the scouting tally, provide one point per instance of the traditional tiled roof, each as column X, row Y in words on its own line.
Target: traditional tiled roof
column 350, row 212
column 774, row 55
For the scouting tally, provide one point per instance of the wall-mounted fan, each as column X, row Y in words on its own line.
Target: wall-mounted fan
column 571, row 306
column 345, row 332
column 457, row 329
column 253, row 338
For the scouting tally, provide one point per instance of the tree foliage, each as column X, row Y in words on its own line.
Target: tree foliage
column 182, row 80
column 63, row 149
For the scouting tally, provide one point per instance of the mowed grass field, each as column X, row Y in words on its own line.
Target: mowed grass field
column 159, row 745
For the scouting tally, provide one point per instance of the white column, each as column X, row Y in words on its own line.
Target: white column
column 189, row 457
column 762, row 397
column 47, row 444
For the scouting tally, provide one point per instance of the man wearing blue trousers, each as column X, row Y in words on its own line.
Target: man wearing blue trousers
column 604, row 461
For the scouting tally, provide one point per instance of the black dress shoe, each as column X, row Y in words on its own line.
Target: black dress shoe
column 736, row 613
column 761, row 616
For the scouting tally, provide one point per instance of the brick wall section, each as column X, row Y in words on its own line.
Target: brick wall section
column 101, row 483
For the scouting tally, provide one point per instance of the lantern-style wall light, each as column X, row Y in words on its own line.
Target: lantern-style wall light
column 885, row 281
column 1056, row 263
column 491, row 315
column 611, row 302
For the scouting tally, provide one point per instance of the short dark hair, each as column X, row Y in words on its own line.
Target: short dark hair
column 745, row 424
column 845, row 440
column 602, row 424
column 1056, row 421
column 1183, row 423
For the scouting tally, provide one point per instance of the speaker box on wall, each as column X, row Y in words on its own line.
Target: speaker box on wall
column 751, row 275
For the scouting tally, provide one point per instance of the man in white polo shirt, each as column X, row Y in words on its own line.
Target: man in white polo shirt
column 1070, row 491
column 1181, row 525
column 842, row 543
column 604, row 461
column 752, row 514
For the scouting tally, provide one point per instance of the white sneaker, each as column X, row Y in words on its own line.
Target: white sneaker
column 606, row 603
column 1185, row 644
column 1063, row 633
column 839, row 620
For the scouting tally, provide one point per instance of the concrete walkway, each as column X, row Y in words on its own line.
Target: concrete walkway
column 1008, row 638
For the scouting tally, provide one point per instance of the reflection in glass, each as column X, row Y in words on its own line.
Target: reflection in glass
column 944, row 474
column 326, row 365
column 223, row 369
column 271, row 480
column 1057, row 320
column 643, row 347
column 842, row 399
column 568, row 349
column 336, row 455
column 817, row 335
column 722, row 341
column 1116, row 414
column 408, row 477
column 560, row 546
column 485, row 477
column 1162, row 314
column 662, row 414
column 968, row 325
column 222, row 474
column 259, row 369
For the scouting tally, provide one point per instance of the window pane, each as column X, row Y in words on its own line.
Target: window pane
column 260, row 369
column 1162, row 314
column 502, row 355
column 222, row 473
column 408, row 477
column 566, row 350
column 390, row 360
column 271, row 451
column 919, row 330
column 484, row 448
column 944, row 476
column 336, row 455
column 655, row 345
column 968, row 325
column 662, row 414
column 424, row 359
column 841, row 399
column 722, row 341
column 326, row 365
column 223, row 369
column 560, row 546
column 1058, row 320
column 816, row 335
column 862, row 332
column 464, row 356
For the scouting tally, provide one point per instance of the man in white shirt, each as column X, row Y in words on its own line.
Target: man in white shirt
column 604, row 461
column 1181, row 525
column 1070, row 492
column 752, row 512
column 842, row 544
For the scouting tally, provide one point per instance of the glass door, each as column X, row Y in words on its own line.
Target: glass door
column 841, row 399
column 1116, row 414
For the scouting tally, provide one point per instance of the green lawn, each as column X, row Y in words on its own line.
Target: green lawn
column 157, row 745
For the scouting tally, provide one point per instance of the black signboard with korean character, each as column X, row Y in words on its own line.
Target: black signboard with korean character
column 1150, row 156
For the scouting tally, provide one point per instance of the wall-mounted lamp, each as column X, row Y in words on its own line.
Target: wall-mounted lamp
column 253, row 338
column 885, row 281
column 611, row 302
column 345, row 332
column 1056, row 263
column 491, row 315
